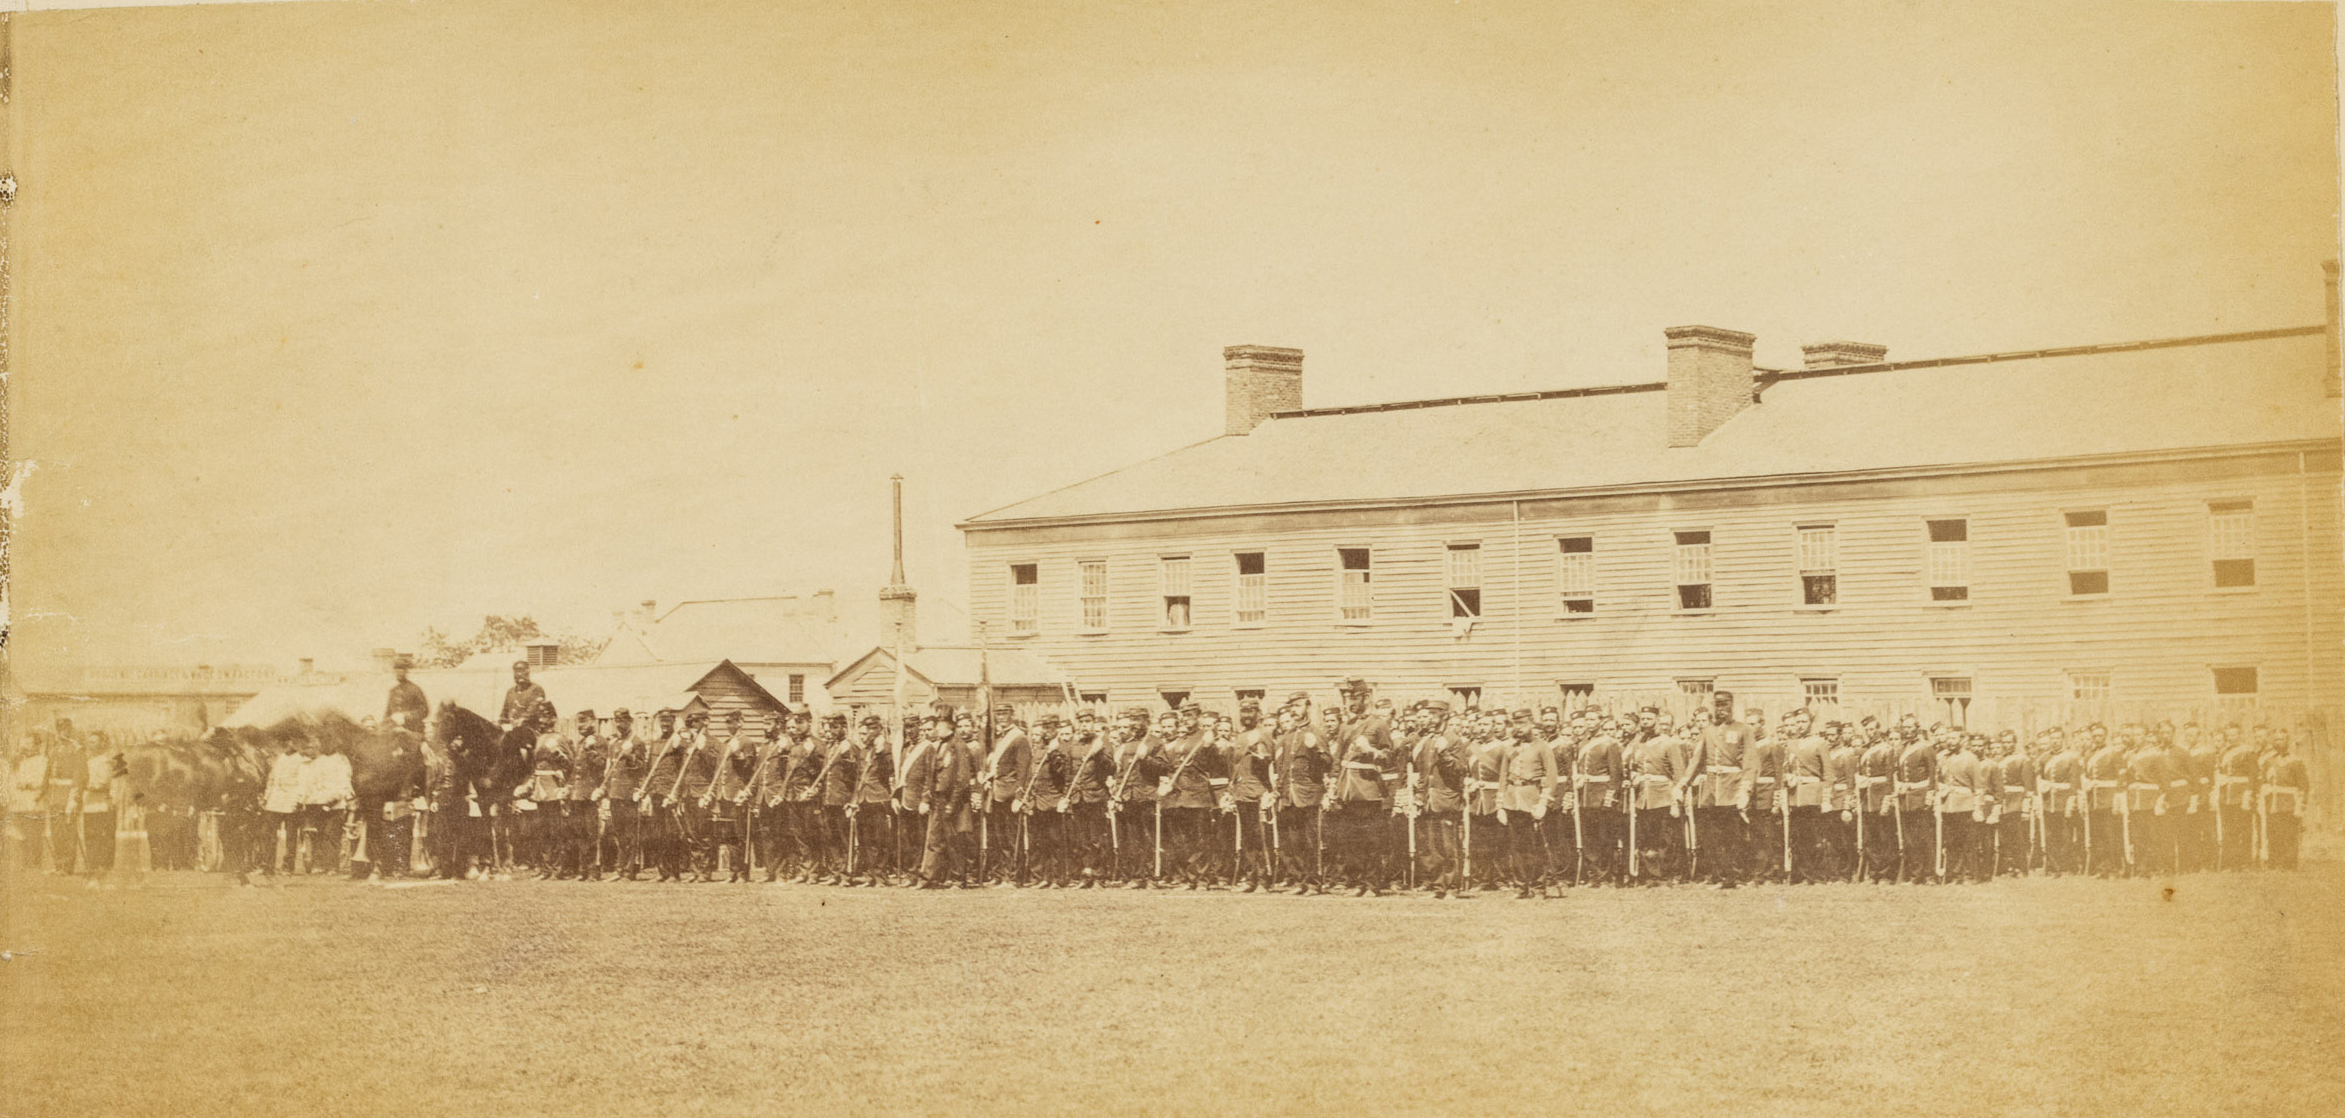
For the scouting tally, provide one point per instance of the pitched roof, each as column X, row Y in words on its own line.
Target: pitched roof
column 819, row 628
column 599, row 687
column 957, row 667
column 2227, row 390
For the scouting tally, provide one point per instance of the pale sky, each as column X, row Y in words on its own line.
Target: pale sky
column 337, row 320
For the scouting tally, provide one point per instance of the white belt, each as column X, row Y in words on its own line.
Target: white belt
column 1804, row 779
column 2144, row 786
column 1481, row 785
column 1362, row 766
column 1595, row 780
column 1724, row 770
column 2015, row 788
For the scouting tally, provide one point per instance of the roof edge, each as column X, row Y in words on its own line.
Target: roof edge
column 1754, row 481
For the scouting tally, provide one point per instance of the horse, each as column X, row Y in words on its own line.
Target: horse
column 491, row 762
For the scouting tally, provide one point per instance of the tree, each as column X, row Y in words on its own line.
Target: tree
column 502, row 634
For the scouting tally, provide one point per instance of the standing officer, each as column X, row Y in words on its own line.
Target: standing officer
column 1916, row 805
column 1364, row 750
column 2200, row 757
column 2105, row 801
column 1843, row 812
column 1526, row 787
column 1041, row 807
column 1599, row 778
column 1442, row 767
column 2286, row 788
column 1963, row 793
column 1133, row 799
column 1194, row 773
column 940, row 780
column 1248, row 800
column 1720, row 744
column 2236, row 774
column 1006, row 769
column 871, row 809
column 1877, row 803
column 624, row 763
column 547, row 797
column 1300, row 768
column 1808, row 768
column 1085, row 803
column 579, row 835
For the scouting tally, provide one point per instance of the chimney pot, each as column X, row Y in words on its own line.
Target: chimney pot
column 1709, row 380
column 1839, row 355
column 1259, row 380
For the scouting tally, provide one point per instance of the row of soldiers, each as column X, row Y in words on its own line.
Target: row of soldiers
column 1364, row 797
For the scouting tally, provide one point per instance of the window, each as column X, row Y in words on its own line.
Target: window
column 2088, row 686
column 2088, row 552
column 1820, row 693
column 543, row 655
column 797, row 688
column 1693, row 570
column 1577, row 697
column 1025, row 597
column 1819, row 564
column 1173, row 699
column 2235, row 686
column 1254, row 693
column 1466, row 698
column 1575, row 573
column 1353, row 602
column 1949, row 560
column 1094, row 585
column 2231, row 528
column 1465, row 580
column 1173, row 582
column 1697, row 689
column 1953, row 695
column 1252, row 601
column 1092, row 698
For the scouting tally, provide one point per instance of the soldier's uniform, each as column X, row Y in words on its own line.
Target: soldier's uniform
column 1301, row 767
column 2060, row 806
column 2200, row 759
column 2105, row 800
column 542, row 805
column 1086, row 807
column 625, row 762
column 2015, row 806
column 1442, row 768
column 1526, row 787
column 1557, row 840
column 697, row 773
column 1962, row 796
column 1004, row 776
column 1043, row 812
column 728, row 801
column 830, row 791
column 2283, row 789
column 1808, row 769
column 773, row 814
column 1364, row 750
column 2236, row 777
column 872, row 805
column 1843, row 806
column 1718, row 784
column 1916, row 810
column 1877, row 808
column 579, row 834
column 1600, row 778
column 1133, row 831
column 1248, row 761
column 2146, row 778
column 1486, row 768
column 1659, row 767
column 1194, row 772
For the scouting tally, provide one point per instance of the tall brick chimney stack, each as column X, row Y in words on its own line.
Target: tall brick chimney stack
column 898, row 628
column 1840, row 355
column 1709, row 380
column 1261, row 379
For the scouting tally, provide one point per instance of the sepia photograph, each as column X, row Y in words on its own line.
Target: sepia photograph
column 1418, row 557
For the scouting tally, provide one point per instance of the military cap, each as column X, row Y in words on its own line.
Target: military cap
column 1004, row 710
column 940, row 710
column 586, row 712
column 1521, row 714
column 1722, row 696
column 1140, row 713
column 874, row 720
column 621, row 712
column 1354, row 685
column 1249, row 703
column 1299, row 697
column 520, row 663
column 1436, row 706
column 1086, row 715
column 1189, row 706
column 402, row 661
column 1048, row 719
column 834, row 718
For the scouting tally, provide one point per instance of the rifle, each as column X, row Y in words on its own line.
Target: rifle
column 1579, row 836
column 1409, row 781
column 1938, row 820
column 1636, row 863
column 2125, row 819
column 1858, row 784
column 1783, row 807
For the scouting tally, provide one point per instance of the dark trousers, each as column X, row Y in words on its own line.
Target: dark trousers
column 622, row 833
column 1562, row 852
column 1483, row 849
column 1087, row 840
column 2238, row 838
column 1812, row 856
column 1358, row 837
column 874, row 835
column 1918, row 849
column 1187, row 849
column 2283, row 831
column 1134, row 837
column 1660, row 840
column 2014, row 838
column 1526, row 862
column 1438, row 851
column 1880, row 844
column 1600, row 835
column 1726, row 842
column 938, row 854
column 728, row 839
column 1299, row 834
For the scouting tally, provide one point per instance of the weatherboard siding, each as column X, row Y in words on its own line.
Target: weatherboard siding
column 2159, row 632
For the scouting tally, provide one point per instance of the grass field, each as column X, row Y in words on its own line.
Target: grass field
column 504, row 998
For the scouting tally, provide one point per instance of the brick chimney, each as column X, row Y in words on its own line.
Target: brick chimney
column 1261, row 379
column 1709, row 380
column 899, row 627
column 1838, row 355
column 2329, row 269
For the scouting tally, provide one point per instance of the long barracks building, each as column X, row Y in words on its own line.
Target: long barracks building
column 2148, row 522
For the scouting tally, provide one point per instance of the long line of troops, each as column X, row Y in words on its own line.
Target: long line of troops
column 1368, row 798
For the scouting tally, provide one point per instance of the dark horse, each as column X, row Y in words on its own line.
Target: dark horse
column 487, row 763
